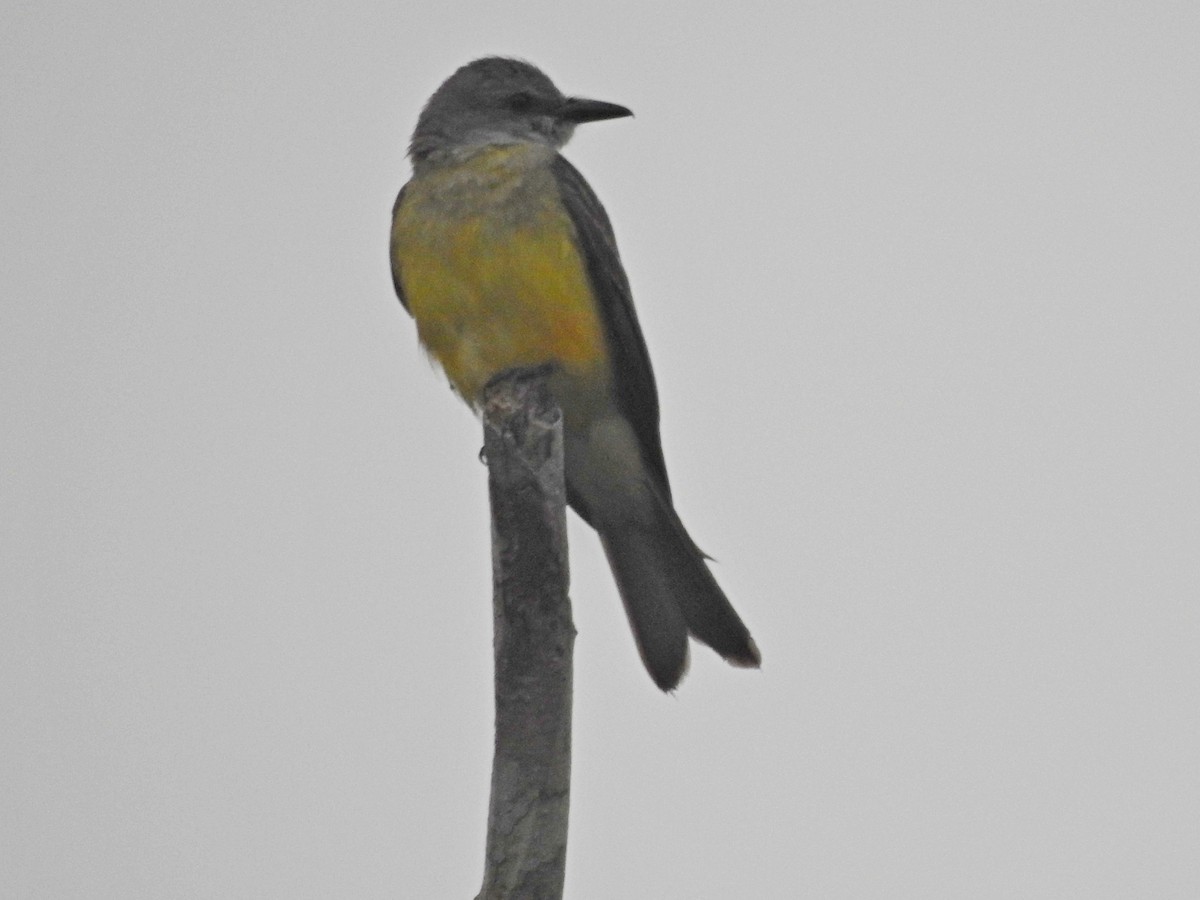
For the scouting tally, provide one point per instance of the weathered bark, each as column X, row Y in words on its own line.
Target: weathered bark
column 534, row 642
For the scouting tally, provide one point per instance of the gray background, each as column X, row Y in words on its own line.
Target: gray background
column 920, row 284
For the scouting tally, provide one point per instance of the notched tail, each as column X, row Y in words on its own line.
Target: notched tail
column 669, row 592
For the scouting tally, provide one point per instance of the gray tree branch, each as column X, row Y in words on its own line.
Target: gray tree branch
column 534, row 641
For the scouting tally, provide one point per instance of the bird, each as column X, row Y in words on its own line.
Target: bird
column 506, row 259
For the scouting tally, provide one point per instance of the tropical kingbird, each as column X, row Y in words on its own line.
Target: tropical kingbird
column 506, row 259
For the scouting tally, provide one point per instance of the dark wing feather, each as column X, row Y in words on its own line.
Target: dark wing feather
column 395, row 262
column 633, row 379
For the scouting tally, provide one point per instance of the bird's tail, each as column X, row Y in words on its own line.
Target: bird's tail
column 668, row 593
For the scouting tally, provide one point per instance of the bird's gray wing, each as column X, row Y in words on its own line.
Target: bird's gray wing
column 633, row 379
column 392, row 255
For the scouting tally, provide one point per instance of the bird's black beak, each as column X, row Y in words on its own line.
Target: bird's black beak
column 576, row 110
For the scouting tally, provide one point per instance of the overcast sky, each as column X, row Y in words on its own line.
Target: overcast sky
column 921, row 284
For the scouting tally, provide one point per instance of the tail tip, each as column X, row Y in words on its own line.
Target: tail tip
column 747, row 658
column 667, row 677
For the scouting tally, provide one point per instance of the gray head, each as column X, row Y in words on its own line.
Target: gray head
column 494, row 101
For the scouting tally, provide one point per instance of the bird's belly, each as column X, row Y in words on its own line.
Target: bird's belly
column 497, row 284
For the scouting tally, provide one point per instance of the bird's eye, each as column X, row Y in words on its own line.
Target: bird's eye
column 521, row 102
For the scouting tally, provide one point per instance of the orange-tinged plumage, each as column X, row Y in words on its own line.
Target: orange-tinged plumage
column 496, row 282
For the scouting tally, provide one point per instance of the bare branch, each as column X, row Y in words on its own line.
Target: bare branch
column 534, row 641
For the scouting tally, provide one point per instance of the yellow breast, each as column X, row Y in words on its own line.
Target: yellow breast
column 489, row 267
